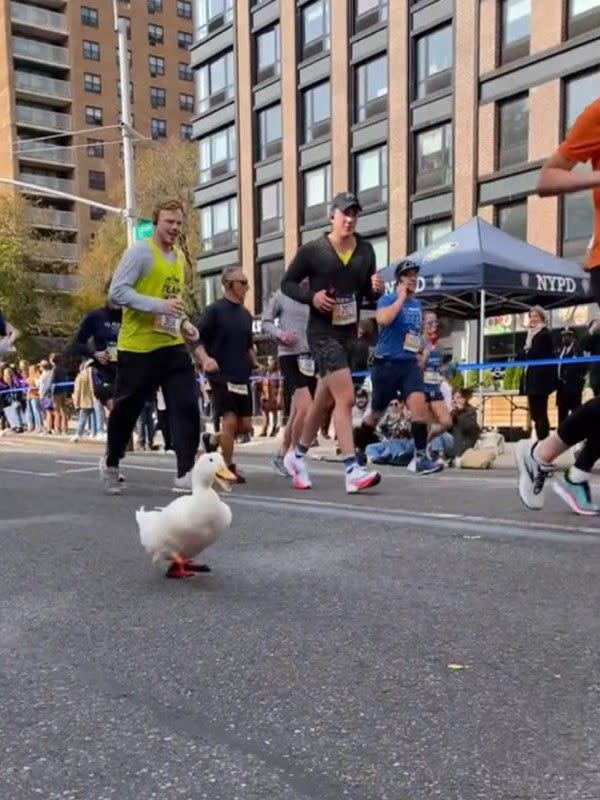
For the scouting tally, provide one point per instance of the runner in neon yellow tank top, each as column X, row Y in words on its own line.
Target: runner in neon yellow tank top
column 151, row 348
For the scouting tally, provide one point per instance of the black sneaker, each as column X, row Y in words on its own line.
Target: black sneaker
column 239, row 478
column 208, row 443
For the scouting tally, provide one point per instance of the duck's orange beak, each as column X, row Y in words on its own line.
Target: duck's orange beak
column 225, row 477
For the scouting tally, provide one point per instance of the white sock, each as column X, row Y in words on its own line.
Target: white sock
column 577, row 475
column 536, row 458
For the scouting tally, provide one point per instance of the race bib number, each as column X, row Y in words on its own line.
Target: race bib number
column 431, row 376
column 167, row 323
column 306, row 365
column 412, row 343
column 344, row 311
column 111, row 352
column 238, row 388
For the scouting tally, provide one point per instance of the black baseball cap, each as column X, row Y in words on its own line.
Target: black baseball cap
column 345, row 201
column 405, row 266
column 568, row 332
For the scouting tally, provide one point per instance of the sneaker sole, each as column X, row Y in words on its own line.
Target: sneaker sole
column 302, row 487
column 564, row 495
column 524, row 480
column 361, row 487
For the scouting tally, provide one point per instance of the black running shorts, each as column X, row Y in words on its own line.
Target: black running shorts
column 330, row 353
column 296, row 372
column 229, row 398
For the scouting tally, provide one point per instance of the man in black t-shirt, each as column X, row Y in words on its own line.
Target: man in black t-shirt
column 341, row 270
column 226, row 355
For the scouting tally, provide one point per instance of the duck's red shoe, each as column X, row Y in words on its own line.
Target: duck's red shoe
column 179, row 570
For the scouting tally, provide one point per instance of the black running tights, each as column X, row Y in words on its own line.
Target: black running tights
column 582, row 423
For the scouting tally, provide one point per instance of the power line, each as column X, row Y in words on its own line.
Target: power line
column 96, row 129
column 54, row 148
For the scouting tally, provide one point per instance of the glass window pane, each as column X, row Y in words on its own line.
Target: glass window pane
column 314, row 21
column 430, row 232
column 513, row 140
column 434, row 56
column 516, row 20
column 368, row 170
column 582, row 6
column 512, row 219
column 580, row 92
column 315, row 187
column 380, row 245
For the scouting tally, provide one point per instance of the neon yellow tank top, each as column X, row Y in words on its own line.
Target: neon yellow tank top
column 163, row 280
column 345, row 257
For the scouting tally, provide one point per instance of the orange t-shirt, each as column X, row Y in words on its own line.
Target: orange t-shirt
column 582, row 144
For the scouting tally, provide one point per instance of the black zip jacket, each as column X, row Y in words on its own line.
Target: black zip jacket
column 319, row 262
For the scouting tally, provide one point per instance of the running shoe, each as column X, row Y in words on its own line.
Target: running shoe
column 280, row 467
column 359, row 479
column 532, row 476
column 110, row 478
column 208, row 442
column 577, row 496
column 183, row 484
column 425, row 466
column 239, row 477
column 296, row 467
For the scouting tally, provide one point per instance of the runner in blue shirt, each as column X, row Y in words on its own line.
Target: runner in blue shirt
column 396, row 369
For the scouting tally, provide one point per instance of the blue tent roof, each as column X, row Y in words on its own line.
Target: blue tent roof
column 478, row 256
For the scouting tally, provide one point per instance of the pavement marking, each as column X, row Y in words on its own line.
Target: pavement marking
column 498, row 529
column 29, row 472
column 46, row 519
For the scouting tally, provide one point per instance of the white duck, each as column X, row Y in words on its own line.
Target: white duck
column 187, row 526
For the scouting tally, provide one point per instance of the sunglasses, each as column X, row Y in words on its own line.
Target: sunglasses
column 244, row 282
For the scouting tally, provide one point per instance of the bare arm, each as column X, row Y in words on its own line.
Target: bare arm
column 557, row 177
column 387, row 314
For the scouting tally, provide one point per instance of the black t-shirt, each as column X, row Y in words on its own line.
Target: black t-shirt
column 2, row 325
column 348, row 284
column 225, row 330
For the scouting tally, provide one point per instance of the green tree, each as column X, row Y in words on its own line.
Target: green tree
column 18, row 297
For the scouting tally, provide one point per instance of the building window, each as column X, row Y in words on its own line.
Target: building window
column 579, row 93
column 185, row 72
column 513, row 131
column 270, row 204
column 212, row 15
column 127, row 25
column 96, row 180
column 158, row 128
column 434, row 158
column 93, row 115
column 371, row 89
column 91, row 50
column 219, row 225
column 583, row 16
column 368, row 13
column 92, row 83
column 316, row 107
column 269, row 132
column 97, row 213
column 516, row 25
column 217, row 155
column 95, row 148
column 317, row 194
column 184, row 40
column 512, row 219
column 371, row 176
column 380, row 245
column 186, row 102
column 210, row 288
column 215, row 82
column 315, row 28
column 156, row 66
column 268, row 54
column 184, row 9
column 269, row 281
column 185, row 131
column 429, row 232
column 156, row 34
column 155, row 6
column 89, row 17
column 435, row 53
column 158, row 97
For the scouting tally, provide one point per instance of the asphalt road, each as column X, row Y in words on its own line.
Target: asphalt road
column 313, row 663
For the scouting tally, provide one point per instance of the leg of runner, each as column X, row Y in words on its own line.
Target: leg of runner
column 415, row 402
column 180, row 391
column 534, row 463
column 300, row 406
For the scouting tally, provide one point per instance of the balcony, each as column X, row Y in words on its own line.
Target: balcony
column 48, row 182
column 51, row 218
column 39, row 52
column 64, row 251
column 40, row 119
column 45, row 152
column 33, row 85
column 29, row 18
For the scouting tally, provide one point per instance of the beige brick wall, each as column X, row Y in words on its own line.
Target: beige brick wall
column 544, row 119
column 465, row 170
column 289, row 130
column 488, row 16
column 398, row 123
column 487, row 139
column 543, row 222
column 245, row 166
column 7, row 130
column 339, row 104
column 546, row 24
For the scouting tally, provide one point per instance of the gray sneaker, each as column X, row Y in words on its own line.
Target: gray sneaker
column 183, row 484
column 532, row 476
column 110, row 478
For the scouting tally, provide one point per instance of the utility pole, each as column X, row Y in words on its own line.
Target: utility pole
column 126, row 126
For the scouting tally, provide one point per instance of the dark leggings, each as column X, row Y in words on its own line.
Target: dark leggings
column 165, row 427
column 538, row 409
column 138, row 377
column 585, row 421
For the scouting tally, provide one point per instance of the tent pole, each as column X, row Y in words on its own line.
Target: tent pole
column 467, row 349
column 481, row 350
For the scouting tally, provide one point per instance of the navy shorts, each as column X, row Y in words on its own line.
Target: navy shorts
column 433, row 393
column 393, row 379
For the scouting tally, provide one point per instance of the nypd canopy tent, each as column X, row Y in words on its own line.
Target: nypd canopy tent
column 479, row 270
